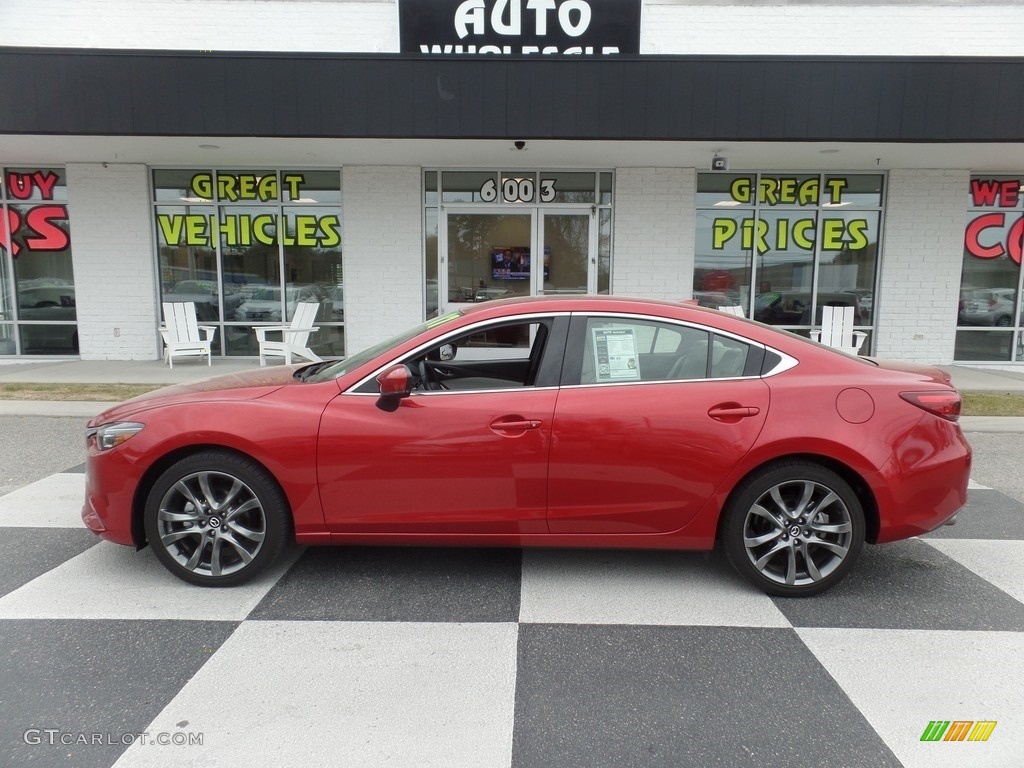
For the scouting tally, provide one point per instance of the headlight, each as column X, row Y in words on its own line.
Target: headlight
column 112, row 435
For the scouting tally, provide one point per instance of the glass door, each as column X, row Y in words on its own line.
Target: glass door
column 567, row 253
column 486, row 255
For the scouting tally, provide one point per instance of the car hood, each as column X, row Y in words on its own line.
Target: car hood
column 247, row 385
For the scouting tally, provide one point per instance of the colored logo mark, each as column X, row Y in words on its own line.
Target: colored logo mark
column 958, row 730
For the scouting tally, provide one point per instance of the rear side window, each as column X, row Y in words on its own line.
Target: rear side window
column 622, row 351
column 728, row 357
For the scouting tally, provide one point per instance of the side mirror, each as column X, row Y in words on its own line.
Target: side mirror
column 447, row 352
column 395, row 385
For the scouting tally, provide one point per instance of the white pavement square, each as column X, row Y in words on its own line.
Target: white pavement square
column 361, row 694
column 613, row 587
column 109, row 581
column 999, row 562
column 53, row 502
column 901, row 680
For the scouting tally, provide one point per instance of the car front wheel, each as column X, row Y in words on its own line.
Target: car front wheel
column 216, row 519
column 794, row 529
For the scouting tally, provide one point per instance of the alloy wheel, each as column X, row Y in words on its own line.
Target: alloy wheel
column 211, row 523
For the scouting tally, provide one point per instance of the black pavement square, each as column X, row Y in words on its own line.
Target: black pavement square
column 74, row 692
column 589, row 696
column 987, row 515
column 908, row 585
column 26, row 553
column 397, row 584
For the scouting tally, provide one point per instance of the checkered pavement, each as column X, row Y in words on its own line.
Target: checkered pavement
column 478, row 657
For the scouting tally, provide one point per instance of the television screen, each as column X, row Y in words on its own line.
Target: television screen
column 510, row 263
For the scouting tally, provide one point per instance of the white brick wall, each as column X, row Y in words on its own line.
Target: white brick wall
column 667, row 26
column 382, row 238
column 112, row 251
column 828, row 29
column 921, row 265
column 215, row 25
column 655, row 210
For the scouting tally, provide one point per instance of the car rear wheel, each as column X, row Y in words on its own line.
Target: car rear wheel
column 216, row 519
column 794, row 529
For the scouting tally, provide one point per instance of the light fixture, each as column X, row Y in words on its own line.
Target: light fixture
column 520, row 145
column 719, row 163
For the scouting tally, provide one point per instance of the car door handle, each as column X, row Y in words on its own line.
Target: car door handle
column 732, row 411
column 515, row 424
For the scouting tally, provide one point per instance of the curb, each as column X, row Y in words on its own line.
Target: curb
column 84, row 409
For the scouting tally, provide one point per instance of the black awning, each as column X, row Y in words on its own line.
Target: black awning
column 147, row 93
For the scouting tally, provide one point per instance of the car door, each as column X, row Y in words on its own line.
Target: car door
column 471, row 460
column 651, row 418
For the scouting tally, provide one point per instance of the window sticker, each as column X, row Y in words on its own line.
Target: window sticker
column 615, row 355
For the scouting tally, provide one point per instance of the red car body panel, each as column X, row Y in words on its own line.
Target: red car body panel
column 648, row 463
column 637, row 466
column 448, row 457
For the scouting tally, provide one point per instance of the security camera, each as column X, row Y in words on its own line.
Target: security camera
column 520, row 144
column 719, row 163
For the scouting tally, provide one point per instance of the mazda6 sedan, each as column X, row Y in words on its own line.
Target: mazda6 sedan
column 544, row 422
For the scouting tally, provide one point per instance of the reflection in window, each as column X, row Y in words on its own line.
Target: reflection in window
column 271, row 240
column 38, row 307
column 782, row 246
column 990, row 280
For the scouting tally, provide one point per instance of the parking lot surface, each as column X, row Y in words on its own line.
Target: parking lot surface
column 442, row 657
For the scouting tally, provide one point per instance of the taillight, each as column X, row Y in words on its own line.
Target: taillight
column 943, row 404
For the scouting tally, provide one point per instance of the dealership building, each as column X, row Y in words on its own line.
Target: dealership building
column 392, row 159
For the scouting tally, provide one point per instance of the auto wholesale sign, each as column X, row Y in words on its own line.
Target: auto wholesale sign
column 520, row 27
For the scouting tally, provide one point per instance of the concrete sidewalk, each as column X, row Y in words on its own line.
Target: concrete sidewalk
column 154, row 372
column 157, row 373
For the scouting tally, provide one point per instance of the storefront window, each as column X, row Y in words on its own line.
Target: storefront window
column 249, row 247
column 37, row 285
column 782, row 246
column 988, row 315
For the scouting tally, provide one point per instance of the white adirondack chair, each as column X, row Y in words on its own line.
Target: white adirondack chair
column 182, row 334
column 837, row 330
column 294, row 337
column 732, row 309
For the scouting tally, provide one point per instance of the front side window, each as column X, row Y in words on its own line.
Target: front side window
column 498, row 356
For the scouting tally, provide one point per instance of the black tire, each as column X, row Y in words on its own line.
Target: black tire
column 1004, row 321
column 793, row 529
column 216, row 519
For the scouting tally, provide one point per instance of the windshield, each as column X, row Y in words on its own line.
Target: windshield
column 340, row 368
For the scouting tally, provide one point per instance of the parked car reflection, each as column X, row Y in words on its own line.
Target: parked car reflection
column 48, row 301
column 336, row 297
column 265, row 304
column 204, row 294
column 794, row 307
column 987, row 306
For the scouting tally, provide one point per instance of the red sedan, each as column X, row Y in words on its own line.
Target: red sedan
column 565, row 422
